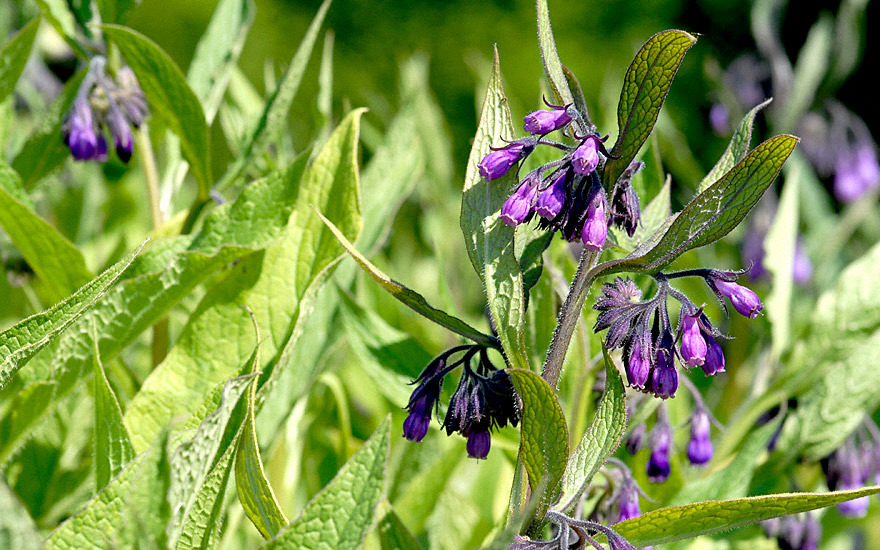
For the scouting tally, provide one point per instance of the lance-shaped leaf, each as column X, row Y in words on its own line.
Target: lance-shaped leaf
column 489, row 241
column 53, row 258
column 736, row 148
column 599, row 442
column 704, row 518
column 342, row 513
column 393, row 534
column 14, row 55
column 254, row 492
column 411, row 298
column 543, row 445
column 170, row 97
column 712, row 213
column 203, row 523
column 553, row 68
column 116, row 11
column 113, row 449
column 20, row 342
column 645, row 86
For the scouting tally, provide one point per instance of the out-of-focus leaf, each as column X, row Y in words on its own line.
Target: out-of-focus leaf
column 489, row 241
column 849, row 45
column 736, row 149
column 14, row 55
column 170, row 97
column 274, row 115
column 17, row 528
column 779, row 251
column 116, row 11
column 279, row 284
column 645, row 86
column 810, row 70
column 45, row 151
column 712, row 213
column 20, row 342
column 393, row 535
column 53, row 258
column 599, row 442
column 417, row 500
column 543, row 440
column 254, row 492
column 703, row 518
column 113, row 448
column 410, row 298
column 58, row 14
column 342, row 513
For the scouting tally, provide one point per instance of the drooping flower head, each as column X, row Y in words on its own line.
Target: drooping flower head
column 552, row 199
column 743, row 299
column 80, row 130
column 658, row 467
column 700, row 449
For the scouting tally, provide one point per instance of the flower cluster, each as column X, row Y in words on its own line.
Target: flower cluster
column 643, row 329
column 852, row 466
column 485, row 399
column 565, row 194
column 797, row 532
column 566, row 528
column 104, row 105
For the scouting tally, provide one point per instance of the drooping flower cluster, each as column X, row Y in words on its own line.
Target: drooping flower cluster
column 795, row 532
column 644, row 331
column 104, row 105
column 852, row 466
column 565, row 194
column 572, row 533
column 484, row 400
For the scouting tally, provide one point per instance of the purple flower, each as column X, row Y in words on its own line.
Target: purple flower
column 552, row 199
column 855, row 173
column 478, row 444
column 714, row 362
column 586, row 157
column 595, row 231
column 700, row 450
column 518, row 206
column 855, row 508
column 499, row 161
column 693, row 345
column 658, row 467
column 121, row 132
column 628, row 506
column 719, row 119
column 636, row 439
column 424, row 399
column 744, row 300
column 80, row 132
column 544, row 121
column 415, row 427
column 802, row 270
column 664, row 376
column 638, row 363
column 812, row 533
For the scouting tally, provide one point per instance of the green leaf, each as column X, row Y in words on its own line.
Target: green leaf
column 739, row 145
column 20, row 342
column 53, row 258
column 553, row 68
column 280, row 284
column 17, row 528
column 58, row 14
column 218, row 51
column 340, row 516
column 202, row 526
column 116, row 11
column 543, row 445
column 45, row 151
column 779, row 251
column 14, row 55
column 393, row 534
column 170, row 97
column 809, row 72
column 274, row 114
column 254, row 492
column 713, row 213
column 703, row 518
column 489, row 241
column 645, row 86
column 408, row 297
column 417, row 500
column 600, row 440
column 113, row 448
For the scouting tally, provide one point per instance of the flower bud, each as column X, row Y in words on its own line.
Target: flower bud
column 79, row 130
column 658, row 467
column 693, row 345
column 585, row 159
column 700, row 450
column 595, row 231
column 518, row 206
column 744, row 300
column 628, row 506
column 637, row 363
column 497, row 163
column 478, row 444
column 714, row 362
column 552, row 199
column 544, row 121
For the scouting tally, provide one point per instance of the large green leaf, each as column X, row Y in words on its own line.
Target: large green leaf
column 779, row 251
column 53, row 258
column 489, row 241
column 45, row 151
column 553, row 68
column 393, row 534
column 59, row 15
column 739, row 145
column 645, row 86
column 599, row 442
column 17, row 528
column 254, row 492
column 411, row 298
column 202, row 526
column 711, row 214
column 279, row 284
column 543, row 445
column 113, row 448
column 274, row 114
column 14, row 55
column 20, row 342
column 170, row 97
column 703, row 518
column 340, row 516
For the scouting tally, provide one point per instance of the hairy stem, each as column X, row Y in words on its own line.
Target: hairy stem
column 568, row 317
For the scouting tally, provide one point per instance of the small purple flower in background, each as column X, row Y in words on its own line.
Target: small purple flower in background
column 699, row 449
column 856, row 172
column 635, row 440
column 658, row 467
column 79, row 130
column 849, row 468
column 628, row 505
column 719, row 119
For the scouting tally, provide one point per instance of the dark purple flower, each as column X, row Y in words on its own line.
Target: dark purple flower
column 121, row 132
column 424, row 399
column 80, row 130
column 552, row 199
column 500, row 161
column 595, row 230
column 478, row 444
column 664, row 376
column 636, row 439
column 714, row 362
column 693, row 345
column 744, row 300
column 545, row 121
column 628, row 505
column 845, row 469
column 700, row 450
column 638, row 363
column 518, row 206
column 586, row 157
column 658, row 467
column 812, row 533
column 415, row 427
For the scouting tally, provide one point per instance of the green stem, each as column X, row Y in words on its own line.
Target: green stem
column 568, row 317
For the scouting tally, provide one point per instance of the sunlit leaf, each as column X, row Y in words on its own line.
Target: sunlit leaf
column 14, row 55
column 739, row 145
